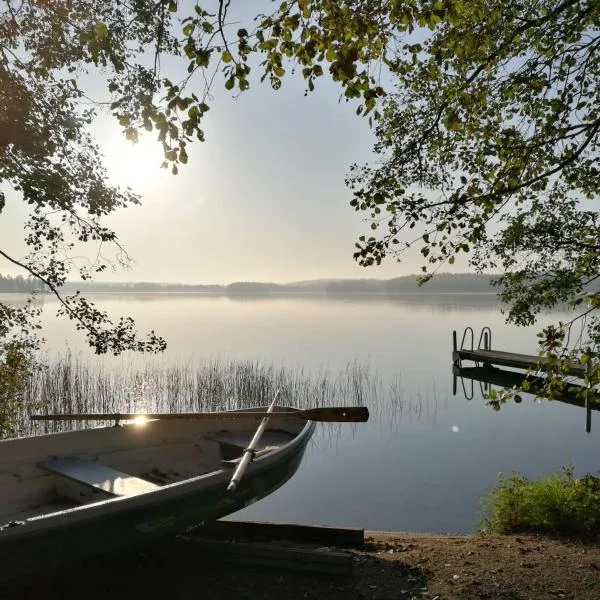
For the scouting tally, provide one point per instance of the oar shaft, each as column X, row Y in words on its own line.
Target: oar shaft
column 250, row 450
column 350, row 414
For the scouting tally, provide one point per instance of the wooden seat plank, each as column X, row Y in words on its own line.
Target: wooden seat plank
column 242, row 439
column 98, row 476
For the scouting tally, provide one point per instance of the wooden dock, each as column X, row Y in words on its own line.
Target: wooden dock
column 486, row 371
column 487, row 356
column 510, row 359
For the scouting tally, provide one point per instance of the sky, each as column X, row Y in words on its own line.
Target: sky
column 263, row 199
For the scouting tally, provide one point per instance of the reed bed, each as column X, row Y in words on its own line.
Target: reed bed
column 69, row 384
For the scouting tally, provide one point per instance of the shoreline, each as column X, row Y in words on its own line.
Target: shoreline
column 389, row 566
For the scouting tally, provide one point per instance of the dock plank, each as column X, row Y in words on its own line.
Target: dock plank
column 510, row 359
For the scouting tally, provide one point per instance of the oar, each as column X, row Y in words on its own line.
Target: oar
column 251, row 449
column 333, row 414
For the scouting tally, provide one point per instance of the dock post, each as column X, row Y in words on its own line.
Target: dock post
column 588, row 405
column 588, row 415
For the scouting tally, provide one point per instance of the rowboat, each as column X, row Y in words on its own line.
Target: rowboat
column 103, row 489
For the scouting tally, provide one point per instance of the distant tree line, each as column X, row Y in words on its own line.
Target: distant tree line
column 19, row 284
column 444, row 282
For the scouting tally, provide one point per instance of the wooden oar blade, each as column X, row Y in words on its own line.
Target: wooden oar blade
column 337, row 414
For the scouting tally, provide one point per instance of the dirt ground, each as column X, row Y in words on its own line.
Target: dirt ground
column 389, row 566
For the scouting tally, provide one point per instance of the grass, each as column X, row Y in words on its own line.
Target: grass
column 68, row 384
column 557, row 504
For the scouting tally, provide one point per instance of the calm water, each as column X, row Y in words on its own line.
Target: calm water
column 426, row 458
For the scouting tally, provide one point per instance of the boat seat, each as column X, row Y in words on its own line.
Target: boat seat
column 242, row 439
column 232, row 444
column 96, row 476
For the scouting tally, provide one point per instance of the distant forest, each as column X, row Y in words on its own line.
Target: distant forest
column 18, row 284
column 442, row 283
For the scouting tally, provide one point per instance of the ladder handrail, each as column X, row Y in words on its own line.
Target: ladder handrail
column 462, row 343
column 486, row 337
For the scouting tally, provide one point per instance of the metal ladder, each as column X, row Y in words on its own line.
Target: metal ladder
column 484, row 343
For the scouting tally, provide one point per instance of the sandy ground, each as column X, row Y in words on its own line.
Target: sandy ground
column 389, row 566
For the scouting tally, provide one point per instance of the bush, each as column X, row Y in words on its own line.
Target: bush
column 557, row 504
column 15, row 370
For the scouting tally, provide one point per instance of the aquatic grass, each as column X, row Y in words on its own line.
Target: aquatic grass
column 559, row 504
column 69, row 384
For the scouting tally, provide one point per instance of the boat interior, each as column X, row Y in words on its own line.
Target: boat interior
column 45, row 474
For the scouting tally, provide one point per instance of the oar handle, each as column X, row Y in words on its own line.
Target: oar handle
column 335, row 414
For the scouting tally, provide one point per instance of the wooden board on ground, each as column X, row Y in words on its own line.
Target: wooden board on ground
column 339, row 536
column 274, row 555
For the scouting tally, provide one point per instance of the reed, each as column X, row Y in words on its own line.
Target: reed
column 69, row 384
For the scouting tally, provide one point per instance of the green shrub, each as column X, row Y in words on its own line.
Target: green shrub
column 15, row 369
column 557, row 504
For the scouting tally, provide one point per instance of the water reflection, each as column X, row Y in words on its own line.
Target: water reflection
column 488, row 376
column 443, row 300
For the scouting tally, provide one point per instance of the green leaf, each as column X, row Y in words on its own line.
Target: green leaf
column 101, row 30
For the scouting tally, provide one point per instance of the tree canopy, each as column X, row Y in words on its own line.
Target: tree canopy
column 489, row 149
column 486, row 114
column 49, row 52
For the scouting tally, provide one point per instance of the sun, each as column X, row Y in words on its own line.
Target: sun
column 135, row 165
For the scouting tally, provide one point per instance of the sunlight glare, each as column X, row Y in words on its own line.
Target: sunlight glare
column 134, row 165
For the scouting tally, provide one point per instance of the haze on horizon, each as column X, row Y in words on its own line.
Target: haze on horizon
column 263, row 199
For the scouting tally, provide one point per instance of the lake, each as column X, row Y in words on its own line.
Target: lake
column 426, row 458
